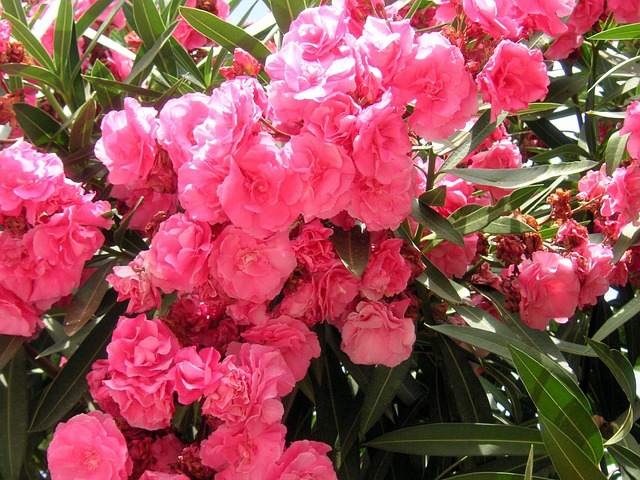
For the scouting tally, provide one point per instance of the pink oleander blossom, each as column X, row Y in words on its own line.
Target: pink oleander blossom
column 16, row 316
column 134, row 283
column 547, row 15
column 194, row 372
column 624, row 11
column 496, row 17
column 632, row 126
column 387, row 272
column 313, row 248
column 303, row 459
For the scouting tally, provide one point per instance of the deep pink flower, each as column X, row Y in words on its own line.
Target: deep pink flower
column 16, row 316
column 152, row 203
column 333, row 120
column 128, row 145
column 623, row 195
column 134, row 283
column 188, row 37
column 336, row 288
column 165, row 451
column 549, row 289
column 240, row 454
column 303, row 459
column 501, row 155
column 179, row 252
column 586, row 13
column 100, row 393
column 624, row 11
column 303, row 303
column 513, row 77
column 547, row 15
column 564, row 45
column 194, row 372
column 248, row 268
column 387, row 45
column 595, row 282
column 88, row 447
column 454, row 260
column 378, row 333
column 318, row 31
column 313, row 248
column 632, row 126
column 387, row 272
column 198, row 188
column 149, row 475
column 496, row 17
column 291, row 337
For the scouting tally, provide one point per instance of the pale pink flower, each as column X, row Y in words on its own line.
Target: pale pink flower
column 318, row 31
column 88, row 447
column 134, row 283
column 198, row 186
column 378, row 333
column 513, row 77
column 623, row 195
column 387, row 45
column 187, row 36
column 248, row 268
column 303, row 459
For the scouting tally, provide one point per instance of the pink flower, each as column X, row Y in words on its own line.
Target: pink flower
column 513, row 77
column 445, row 94
column 378, row 333
column 88, row 447
column 318, row 31
column 547, row 15
column 128, row 144
column 303, row 459
column 142, row 348
column 595, row 282
column 256, row 194
column 322, row 172
column 149, row 475
column 381, row 145
column 336, row 288
column 496, row 17
column 176, row 123
column 291, row 338
column 189, row 38
column 144, row 402
column 573, row 236
column 251, row 269
column 549, row 288
column 249, row 386
column 198, row 186
column 586, row 13
column 296, row 82
column 501, row 155
column 312, row 247
column 459, row 194
column 632, row 126
column 387, row 272
column 152, row 203
column 98, row 390
column 454, row 260
column 623, row 195
column 194, row 372
column 5, row 34
column 134, row 283
column 179, row 252
column 593, row 184
column 387, row 45
column 119, row 64
column 165, row 451
column 333, row 120
column 382, row 206
column 624, row 11
column 16, row 316
column 302, row 303
column 240, row 454
column 565, row 44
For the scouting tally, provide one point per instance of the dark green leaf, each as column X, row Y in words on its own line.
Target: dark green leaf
column 519, row 177
column 563, row 88
column 458, row 439
column 570, row 461
column 15, row 9
column 121, row 86
column 490, row 341
column 352, row 248
column 494, row 476
column 226, row 35
column 87, row 299
column 616, row 147
column 548, row 133
column 628, row 237
column 622, row 316
column 83, row 125
column 142, row 63
column 14, row 404
column 382, row 389
column 623, row 32
column 108, row 96
column 528, row 473
column 9, row 345
column 469, row 396
column 433, row 221
column 151, row 28
column 33, row 72
column 507, row 226
column 39, row 126
column 565, row 152
column 34, row 47
column 539, row 107
column 91, row 14
column 627, row 459
column 70, row 384
column 559, row 399
column 478, row 134
column 437, row 282
column 62, row 34
column 434, row 197
column 286, row 11
column 186, row 62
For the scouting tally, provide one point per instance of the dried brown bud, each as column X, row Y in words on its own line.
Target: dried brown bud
column 560, row 202
column 510, row 249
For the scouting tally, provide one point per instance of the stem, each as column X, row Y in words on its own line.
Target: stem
column 43, row 363
column 274, row 129
column 431, row 174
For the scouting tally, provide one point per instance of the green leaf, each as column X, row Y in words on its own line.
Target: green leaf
column 382, row 389
column 434, row 197
column 469, row 396
column 91, row 14
column 507, row 226
column 622, row 316
column 150, row 55
column 352, row 248
column 565, row 152
column 626, row 458
column 570, row 461
column 494, row 476
column 563, row 88
column 34, row 47
column 559, row 399
column 628, row 237
column 83, row 125
column 87, row 299
column 539, row 107
column 616, row 148
column 62, row 34
column 118, row 235
column 9, row 345
column 622, row 370
column 549, row 133
column 70, row 384
column 225, row 34
column 33, row 72
column 14, row 404
column 433, row 221
column 122, row 86
column 186, row 62
column 623, row 32
column 15, row 9
column 490, row 341
column 459, row 439
column 478, row 218
column 108, row 96
column 519, row 177
column 39, row 126
column 478, row 134
column 286, row 11
column 437, row 282
column 151, row 28
column 528, row 473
